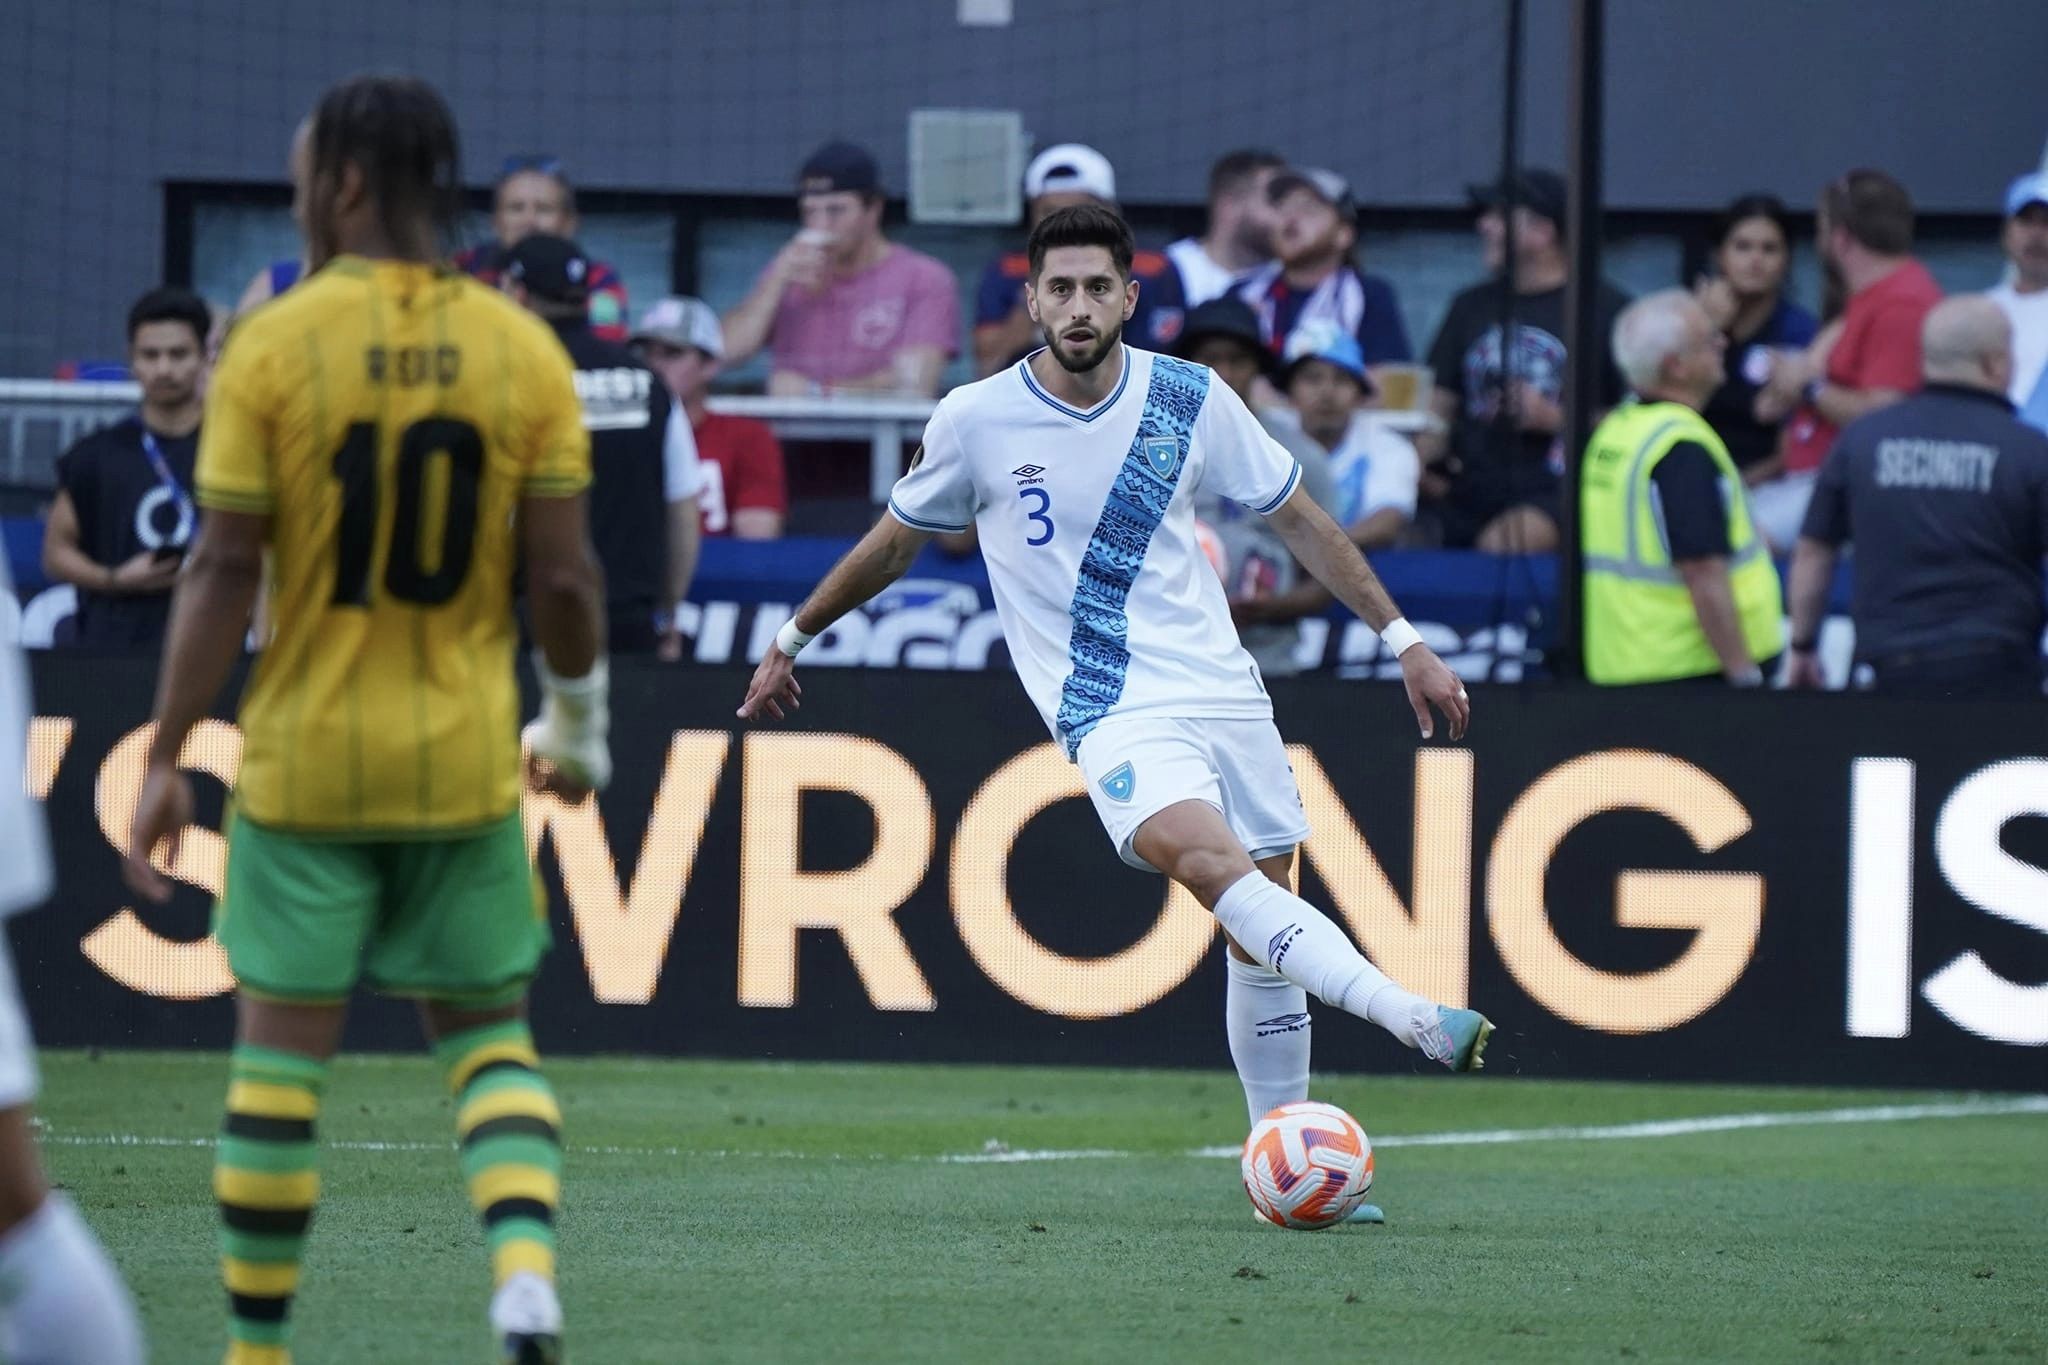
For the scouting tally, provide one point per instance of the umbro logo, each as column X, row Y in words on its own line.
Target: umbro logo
column 1028, row 473
column 1282, row 1023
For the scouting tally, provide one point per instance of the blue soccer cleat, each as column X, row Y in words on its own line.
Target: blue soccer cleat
column 1457, row 1038
column 1366, row 1213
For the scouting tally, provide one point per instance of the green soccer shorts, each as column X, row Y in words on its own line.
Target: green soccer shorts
column 459, row 919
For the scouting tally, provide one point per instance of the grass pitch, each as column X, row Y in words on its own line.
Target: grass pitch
column 764, row 1212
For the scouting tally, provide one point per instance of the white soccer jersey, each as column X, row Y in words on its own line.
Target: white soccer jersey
column 1087, row 527
column 24, row 847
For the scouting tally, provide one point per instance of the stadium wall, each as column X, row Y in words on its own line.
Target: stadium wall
column 103, row 104
column 1734, row 887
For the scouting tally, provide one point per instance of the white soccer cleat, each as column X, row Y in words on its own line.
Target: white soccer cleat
column 526, row 1317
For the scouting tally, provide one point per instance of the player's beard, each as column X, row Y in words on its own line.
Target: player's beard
column 1094, row 356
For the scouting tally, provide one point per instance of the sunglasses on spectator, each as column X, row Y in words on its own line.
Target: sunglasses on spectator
column 538, row 165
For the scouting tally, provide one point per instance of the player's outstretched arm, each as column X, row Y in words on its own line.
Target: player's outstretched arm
column 209, row 620
column 884, row 555
column 1328, row 554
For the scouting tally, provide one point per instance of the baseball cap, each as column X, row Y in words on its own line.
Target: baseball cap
column 1328, row 186
column 677, row 321
column 1331, row 345
column 839, row 166
column 1540, row 191
column 1226, row 316
column 2028, row 189
column 550, row 267
column 1070, row 168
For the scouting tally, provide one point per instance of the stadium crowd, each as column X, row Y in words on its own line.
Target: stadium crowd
column 1274, row 293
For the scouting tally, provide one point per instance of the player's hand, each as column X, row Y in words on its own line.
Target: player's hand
column 668, row 644
column 1802, row 670
column 774, row 687
column 1431, row 683
column 162, row 813
column 546, row 775
column 144, row 573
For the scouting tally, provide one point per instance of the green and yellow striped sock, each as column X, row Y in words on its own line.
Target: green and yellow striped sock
column 266, row 1177
column 510, row 1130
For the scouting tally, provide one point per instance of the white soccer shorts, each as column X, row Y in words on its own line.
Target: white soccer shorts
column 17, row 1048
column 1136, row 768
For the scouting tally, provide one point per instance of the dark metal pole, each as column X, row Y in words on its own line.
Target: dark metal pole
column 1507, row 417
column 1584, row 345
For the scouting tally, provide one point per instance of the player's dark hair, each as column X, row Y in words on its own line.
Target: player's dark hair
column 399, row 133
column 1872, row 208
column 1234, row 172
column 1082, row 225
column 171, row 305
column 1753, row 206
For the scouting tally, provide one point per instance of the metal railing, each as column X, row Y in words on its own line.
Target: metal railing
column 43, row 417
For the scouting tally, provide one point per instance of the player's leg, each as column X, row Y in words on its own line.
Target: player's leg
column 464, row 934
column 292, row 915
column 61, row 1300
column 1266, row 1018
column 508, row 1126
column 1191, row 843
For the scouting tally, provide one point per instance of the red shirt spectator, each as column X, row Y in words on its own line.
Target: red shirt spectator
column 1879, row 348
column 742, row 491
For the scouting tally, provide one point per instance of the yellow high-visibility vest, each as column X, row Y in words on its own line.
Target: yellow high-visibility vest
column 1640, row 625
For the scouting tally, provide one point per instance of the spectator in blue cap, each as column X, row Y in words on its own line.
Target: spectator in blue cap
column 2024, row 294
column 1373, row 469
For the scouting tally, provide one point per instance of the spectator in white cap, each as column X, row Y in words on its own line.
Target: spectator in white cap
column 743, row 489
column 2024, row 294
column 1058, row 177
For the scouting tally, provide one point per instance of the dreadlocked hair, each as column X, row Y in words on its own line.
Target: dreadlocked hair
column 401, row 136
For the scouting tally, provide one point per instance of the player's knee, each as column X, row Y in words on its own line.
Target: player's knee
column 1208, row 872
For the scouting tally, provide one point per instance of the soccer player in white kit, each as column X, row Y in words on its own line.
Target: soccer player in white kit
column 1079, row 466
column 61, row 1300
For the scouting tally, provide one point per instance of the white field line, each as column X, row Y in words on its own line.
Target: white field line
column 1478, row 1137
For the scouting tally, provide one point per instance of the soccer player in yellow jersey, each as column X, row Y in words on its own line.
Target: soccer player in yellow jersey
column 397, row 437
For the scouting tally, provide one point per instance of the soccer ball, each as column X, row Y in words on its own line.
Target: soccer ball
column 1307, row 1165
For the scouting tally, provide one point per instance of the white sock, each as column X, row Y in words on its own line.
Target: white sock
column 1266, row 1016
column 1299, row 942
column 68, row 1305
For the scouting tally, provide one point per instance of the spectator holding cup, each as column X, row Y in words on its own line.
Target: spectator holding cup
column 841, row 308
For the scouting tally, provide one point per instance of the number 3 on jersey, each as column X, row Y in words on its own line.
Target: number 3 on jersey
column 405, row 577
column 1039, row 515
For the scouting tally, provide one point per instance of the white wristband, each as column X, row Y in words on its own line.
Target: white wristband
column 790, row 640
column 1400, row 637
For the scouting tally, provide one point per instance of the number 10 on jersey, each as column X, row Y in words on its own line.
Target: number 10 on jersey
column 405, row 577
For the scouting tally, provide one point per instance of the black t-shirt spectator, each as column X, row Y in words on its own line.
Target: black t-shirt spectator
column 626, row 408
column 126, row 506
column 1466, row 359
column 1693, row 502
column 1946, row 497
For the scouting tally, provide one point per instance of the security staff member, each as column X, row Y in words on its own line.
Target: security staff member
column 644, row 475
column 1946, row 497
column 1678, row 586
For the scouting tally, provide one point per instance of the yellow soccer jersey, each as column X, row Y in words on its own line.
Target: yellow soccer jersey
column 388, row 418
